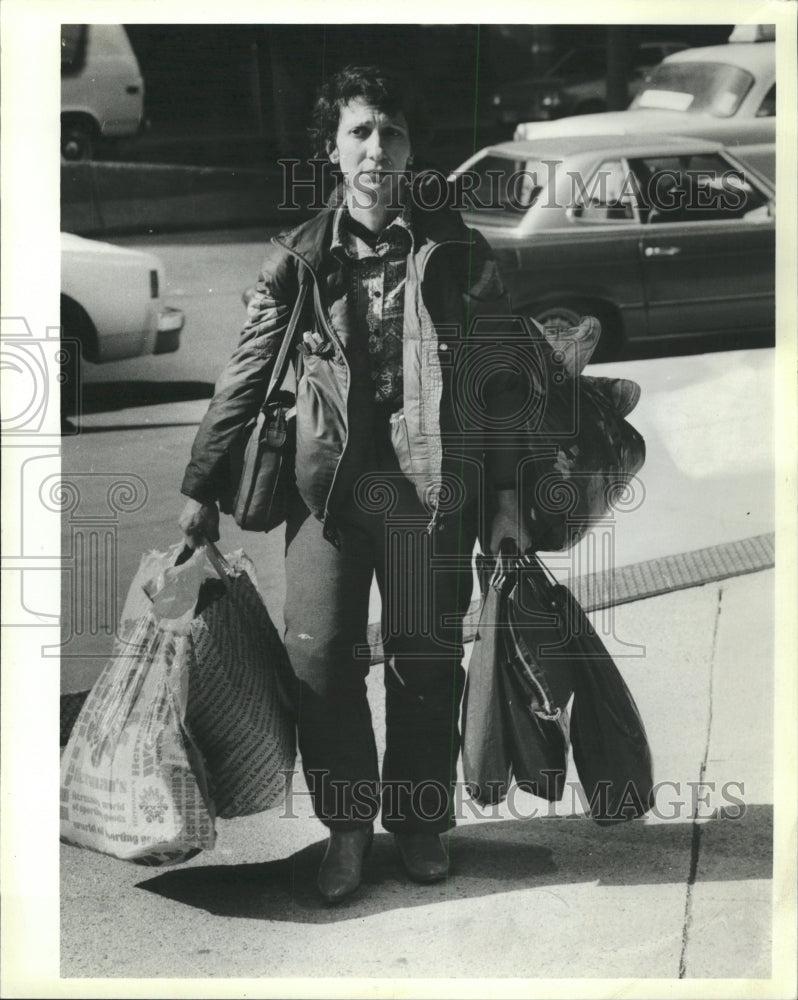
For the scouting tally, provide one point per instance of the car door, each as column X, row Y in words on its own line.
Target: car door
column 588, row 254
column 707, row 249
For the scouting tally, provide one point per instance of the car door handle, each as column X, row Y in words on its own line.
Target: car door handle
column 662, row 251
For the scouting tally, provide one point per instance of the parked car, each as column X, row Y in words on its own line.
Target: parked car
column 717, row 91
column 576, row 84
column 111, row 301
column 664, row 238
column 738, row 78
column 102, row 92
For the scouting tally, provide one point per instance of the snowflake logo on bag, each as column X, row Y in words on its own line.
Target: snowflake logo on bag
column 153, row 805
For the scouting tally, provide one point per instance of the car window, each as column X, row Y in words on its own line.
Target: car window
column 705, row 88
column 502, row 186
column 767, row 109
column 73, row 47
column 607, row 197
column 696, row 188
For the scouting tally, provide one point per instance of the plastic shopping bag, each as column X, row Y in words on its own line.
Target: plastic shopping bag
column 133, row 784
column 190, row 718
column 515, row 721
column 487, row 757
column 240, row 697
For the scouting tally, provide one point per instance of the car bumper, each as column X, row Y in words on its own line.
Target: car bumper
column 170, row 325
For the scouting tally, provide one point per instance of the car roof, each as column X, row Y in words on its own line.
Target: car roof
column 754, row 56
column 627, row 145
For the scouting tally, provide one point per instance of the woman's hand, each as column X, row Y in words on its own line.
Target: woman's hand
column 507, row 523
column 199, row 522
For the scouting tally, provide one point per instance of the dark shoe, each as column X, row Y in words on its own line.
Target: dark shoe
column 342, row 865
column 423, row 855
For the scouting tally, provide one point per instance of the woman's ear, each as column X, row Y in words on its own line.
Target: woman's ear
column 332, row 152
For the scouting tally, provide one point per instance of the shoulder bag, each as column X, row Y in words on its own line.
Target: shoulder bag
column 261, row 462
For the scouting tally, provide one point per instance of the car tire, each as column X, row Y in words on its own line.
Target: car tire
column 77, row 142
column 565, row 313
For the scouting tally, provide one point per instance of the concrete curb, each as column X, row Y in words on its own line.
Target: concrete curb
column 104, row 198
column 637, row 582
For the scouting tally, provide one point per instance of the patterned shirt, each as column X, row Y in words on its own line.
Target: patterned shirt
column 377, row 268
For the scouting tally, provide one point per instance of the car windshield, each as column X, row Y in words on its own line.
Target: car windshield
column 706, row 88
column 502, row 186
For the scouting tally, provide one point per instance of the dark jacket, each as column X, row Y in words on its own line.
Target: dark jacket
column 450, row 391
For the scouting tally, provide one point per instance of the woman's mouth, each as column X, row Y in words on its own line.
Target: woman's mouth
column 376, row 176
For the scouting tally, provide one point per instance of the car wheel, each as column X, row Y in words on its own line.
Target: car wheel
column 77, row 142
column 560, row 316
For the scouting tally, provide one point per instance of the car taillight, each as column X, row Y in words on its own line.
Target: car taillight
column 153, row 284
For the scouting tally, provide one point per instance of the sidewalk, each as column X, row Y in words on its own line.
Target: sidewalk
column 682, row 894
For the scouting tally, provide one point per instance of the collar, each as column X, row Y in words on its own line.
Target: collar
column 311, row 240
column 352, row 241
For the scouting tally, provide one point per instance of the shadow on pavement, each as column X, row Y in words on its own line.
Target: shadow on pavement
column 487, row 858
column 101, row 397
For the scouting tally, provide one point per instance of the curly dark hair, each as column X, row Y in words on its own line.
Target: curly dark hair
column 387, row 91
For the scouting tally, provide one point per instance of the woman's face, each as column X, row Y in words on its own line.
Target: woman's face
column 371, row 148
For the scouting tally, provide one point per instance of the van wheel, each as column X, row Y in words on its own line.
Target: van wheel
column 562, row 315
column 77, row 142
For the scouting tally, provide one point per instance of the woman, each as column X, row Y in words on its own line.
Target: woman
column 390, row 472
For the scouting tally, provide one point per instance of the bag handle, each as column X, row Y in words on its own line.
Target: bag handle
column 223, row 568
column 505, row 577
column 281, row 362
column 219, row 563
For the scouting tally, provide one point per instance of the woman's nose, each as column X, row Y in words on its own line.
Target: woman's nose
column 374, row 143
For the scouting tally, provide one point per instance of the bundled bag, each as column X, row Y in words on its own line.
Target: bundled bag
column 582, row 453
column 259, row 485
column 189, row 720
column 579, row 450
column 535, row 648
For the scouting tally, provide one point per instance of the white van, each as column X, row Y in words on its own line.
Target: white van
column 102, row 92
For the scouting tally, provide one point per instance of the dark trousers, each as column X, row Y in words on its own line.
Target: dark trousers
column 425, row 581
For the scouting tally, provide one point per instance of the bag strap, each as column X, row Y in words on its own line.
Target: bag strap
column 518, row 656
column 219, row 563
column 281, row 362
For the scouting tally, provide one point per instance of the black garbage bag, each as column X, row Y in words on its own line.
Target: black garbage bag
column 611, row 750
column 609, row 741
column 535, row 649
